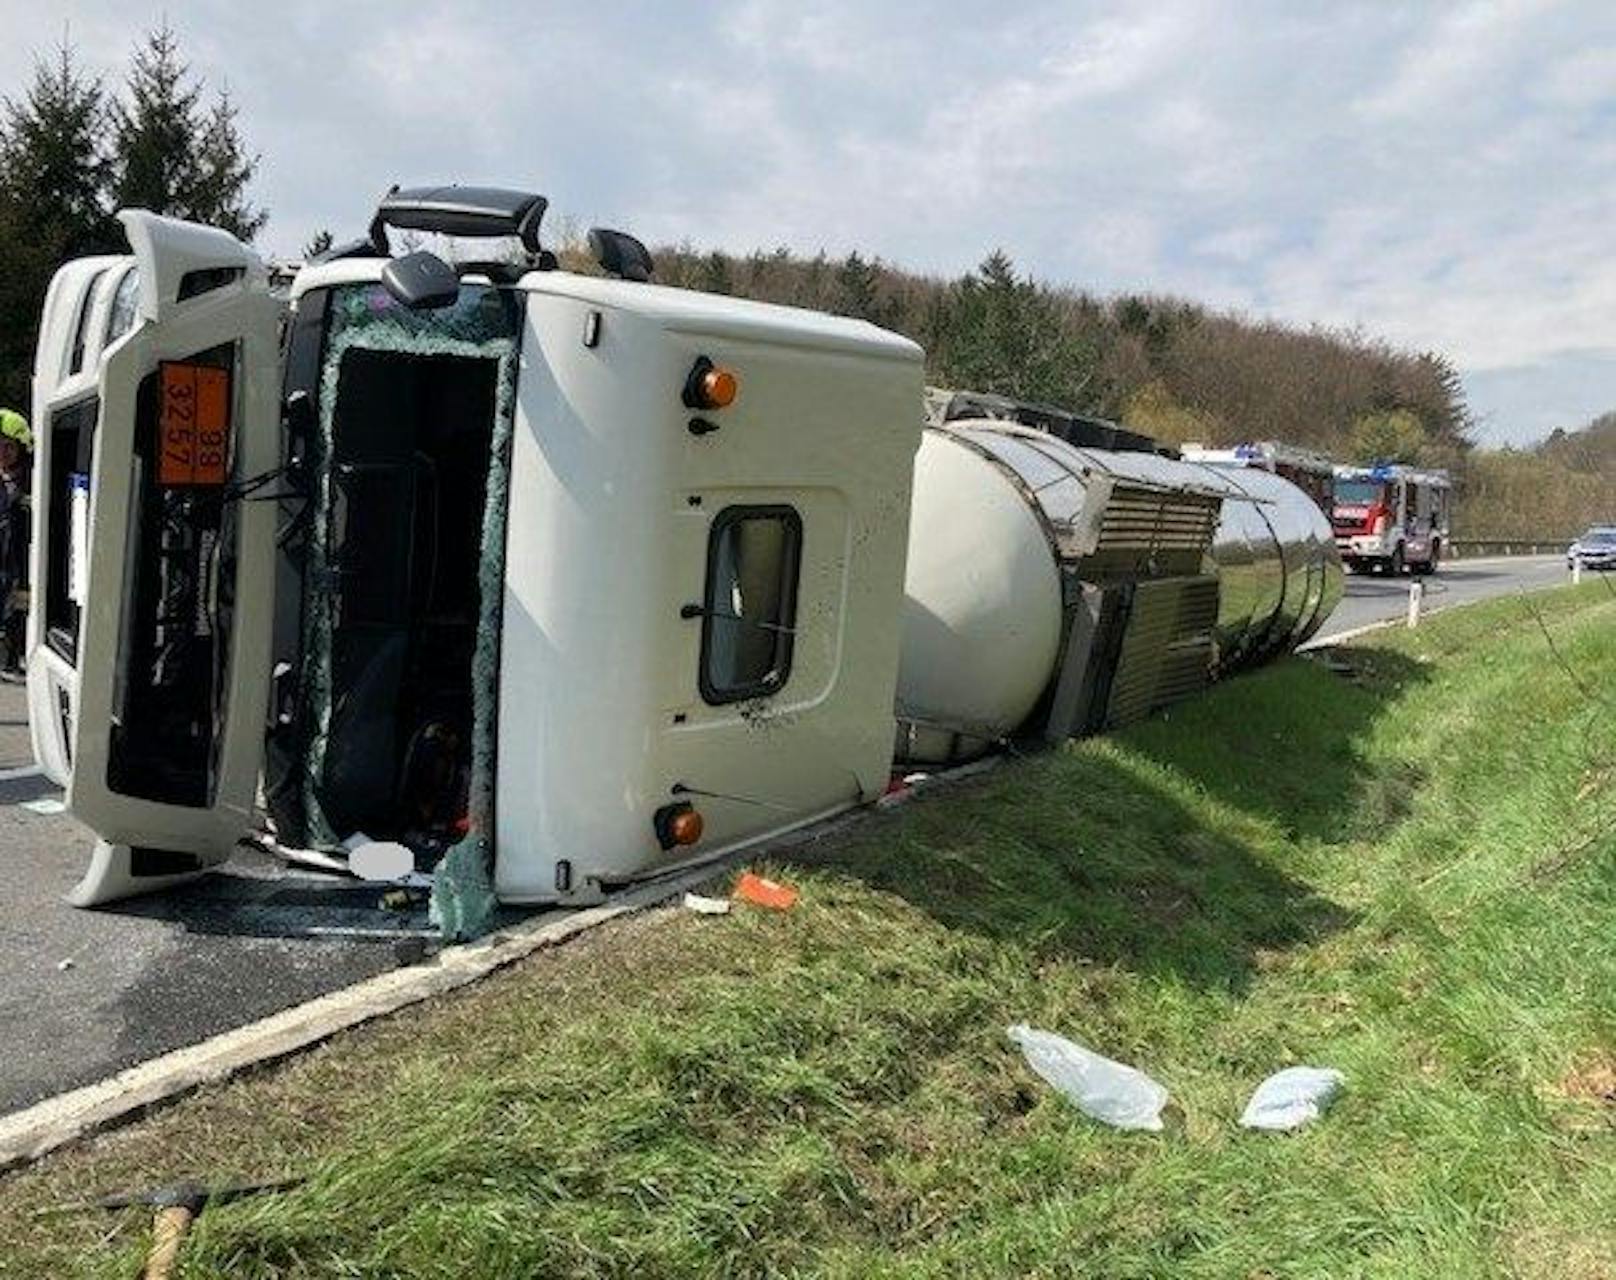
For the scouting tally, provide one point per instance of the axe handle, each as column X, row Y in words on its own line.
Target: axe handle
column 168, row 1233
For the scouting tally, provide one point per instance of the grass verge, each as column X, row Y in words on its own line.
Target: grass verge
column 1395, row 858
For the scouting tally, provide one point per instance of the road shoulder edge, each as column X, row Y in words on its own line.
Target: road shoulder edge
column 36, row 1131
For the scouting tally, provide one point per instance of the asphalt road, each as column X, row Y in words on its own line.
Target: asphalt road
column 1376, row 597
column 86, row 993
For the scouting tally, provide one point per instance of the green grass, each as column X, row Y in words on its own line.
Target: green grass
column 1403, row 869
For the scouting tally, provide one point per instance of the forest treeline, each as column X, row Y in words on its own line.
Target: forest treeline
column 1183, row 372
column 74, row 149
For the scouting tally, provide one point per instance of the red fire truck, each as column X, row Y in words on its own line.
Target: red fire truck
column 1391, row 517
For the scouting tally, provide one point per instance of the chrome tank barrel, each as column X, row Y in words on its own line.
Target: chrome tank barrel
column 1279, row 574
column 1055, row 589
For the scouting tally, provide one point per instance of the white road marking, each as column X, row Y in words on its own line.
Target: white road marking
column 21, row 771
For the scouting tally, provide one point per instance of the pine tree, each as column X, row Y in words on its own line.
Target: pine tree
column 856, row 282
column 318, row 243
column 24, row 274
column 224, row 168
column 53, row 174
column 172, row 156
column 53, row 163
column 715, row 274
column 154, row 130
column 1003, row 334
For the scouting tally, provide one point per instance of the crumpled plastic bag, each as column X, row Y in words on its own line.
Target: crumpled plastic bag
column 1293, row 1097
column 1110, row 1092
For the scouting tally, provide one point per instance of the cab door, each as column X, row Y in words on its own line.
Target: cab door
column 173, row 646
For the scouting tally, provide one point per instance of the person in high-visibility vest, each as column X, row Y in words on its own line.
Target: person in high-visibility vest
column 16, row 448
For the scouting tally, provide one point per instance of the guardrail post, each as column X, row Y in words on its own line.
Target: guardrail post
column 1416, row 597
column 1576, row 571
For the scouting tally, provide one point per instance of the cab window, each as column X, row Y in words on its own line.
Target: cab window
column 754, row 556
column 121, row 315
column 81, row 325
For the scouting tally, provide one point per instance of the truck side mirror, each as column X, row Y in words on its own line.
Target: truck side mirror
column 620, row 254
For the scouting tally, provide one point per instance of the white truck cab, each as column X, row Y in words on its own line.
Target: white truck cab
column 1391, row 517
column 565, row 575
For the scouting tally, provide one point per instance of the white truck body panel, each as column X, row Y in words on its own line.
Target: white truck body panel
column 77, row 682
column 612, row 504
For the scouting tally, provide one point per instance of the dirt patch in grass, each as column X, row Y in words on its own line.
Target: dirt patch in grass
column 1548, row 1254
column 1593, row 1080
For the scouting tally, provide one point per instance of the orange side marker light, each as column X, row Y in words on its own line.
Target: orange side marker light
column 710, row 386
column 719, row 387
column 677, row 825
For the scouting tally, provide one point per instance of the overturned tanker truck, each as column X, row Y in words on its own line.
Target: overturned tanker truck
column 567, row 580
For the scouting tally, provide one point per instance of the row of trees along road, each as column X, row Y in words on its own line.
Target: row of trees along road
column 1165, row 366
column 73, row 151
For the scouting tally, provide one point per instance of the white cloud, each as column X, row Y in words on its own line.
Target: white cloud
column 1452, row 58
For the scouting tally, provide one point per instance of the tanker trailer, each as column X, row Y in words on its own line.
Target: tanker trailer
column 1053, row 589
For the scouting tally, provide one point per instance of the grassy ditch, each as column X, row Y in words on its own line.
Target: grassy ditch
column 1396, row 860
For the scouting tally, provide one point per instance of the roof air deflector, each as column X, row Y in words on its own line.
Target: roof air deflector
column 460, row 211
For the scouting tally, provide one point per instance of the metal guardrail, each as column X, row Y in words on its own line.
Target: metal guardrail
column 1459, row 548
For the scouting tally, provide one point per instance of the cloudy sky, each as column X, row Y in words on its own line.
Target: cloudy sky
column 1443, row 175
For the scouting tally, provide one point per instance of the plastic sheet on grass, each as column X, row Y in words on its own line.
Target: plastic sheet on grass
column 1293, row 1097
column 1110, row 1092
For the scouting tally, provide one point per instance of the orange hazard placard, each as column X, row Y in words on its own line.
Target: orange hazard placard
column 193, row 424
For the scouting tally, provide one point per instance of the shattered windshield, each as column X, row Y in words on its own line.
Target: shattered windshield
column 404, row 573
column 482, row 313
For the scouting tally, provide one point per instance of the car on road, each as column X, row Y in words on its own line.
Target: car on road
column 1596, row 547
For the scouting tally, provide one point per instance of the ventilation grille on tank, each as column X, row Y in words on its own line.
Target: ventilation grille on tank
column 1150, row 532
column 1166, row 650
